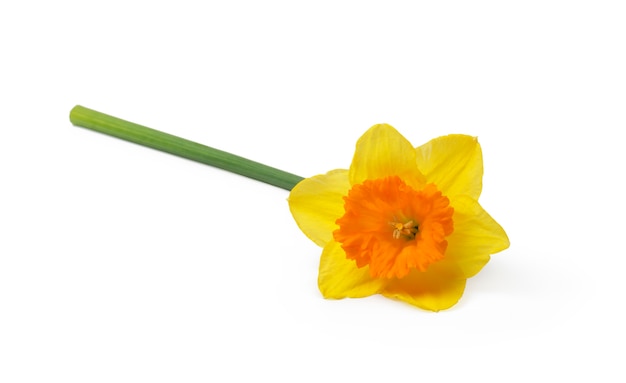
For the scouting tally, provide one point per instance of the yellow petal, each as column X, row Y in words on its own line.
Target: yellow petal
column 476, row 235
column 436, row 289
column 454, row 163
column 340, row 278
column 317, row 202
column 383, row 152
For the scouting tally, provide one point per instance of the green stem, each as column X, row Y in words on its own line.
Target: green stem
column 103, row 123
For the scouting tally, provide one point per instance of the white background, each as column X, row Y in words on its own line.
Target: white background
column 122, row 264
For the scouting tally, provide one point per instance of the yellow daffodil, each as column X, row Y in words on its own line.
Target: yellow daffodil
column 403, row 222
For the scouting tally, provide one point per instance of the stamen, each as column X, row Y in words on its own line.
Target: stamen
column 408, row 229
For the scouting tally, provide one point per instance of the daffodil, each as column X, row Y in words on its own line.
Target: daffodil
column 403, row 222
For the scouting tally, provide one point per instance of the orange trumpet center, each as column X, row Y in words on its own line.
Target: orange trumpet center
column 394, row 228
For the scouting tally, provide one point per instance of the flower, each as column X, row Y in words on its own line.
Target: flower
column 403, row 222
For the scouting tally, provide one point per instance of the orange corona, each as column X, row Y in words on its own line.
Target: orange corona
column 393, row 228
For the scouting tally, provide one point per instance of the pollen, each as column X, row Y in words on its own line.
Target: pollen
column 407, row 230
column 392, row 228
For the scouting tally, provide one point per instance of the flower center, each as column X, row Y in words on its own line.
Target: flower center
column 407, row 230
column 393, row 228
